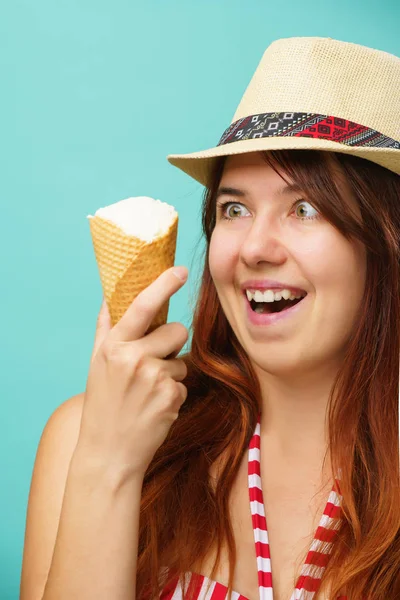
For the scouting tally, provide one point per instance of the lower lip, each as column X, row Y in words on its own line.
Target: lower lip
column 271, row 318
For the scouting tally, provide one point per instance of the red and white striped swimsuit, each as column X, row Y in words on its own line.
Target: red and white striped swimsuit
column 203, row 588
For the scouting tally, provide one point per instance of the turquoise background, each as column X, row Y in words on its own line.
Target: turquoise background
column 94, row 95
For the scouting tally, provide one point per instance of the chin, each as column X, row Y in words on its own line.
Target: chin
column 280, row 363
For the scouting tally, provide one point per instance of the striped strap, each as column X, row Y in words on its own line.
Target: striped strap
column 306, row 585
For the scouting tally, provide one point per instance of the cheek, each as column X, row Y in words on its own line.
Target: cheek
column 328, row 260
column 336, row 269
column 223, row 254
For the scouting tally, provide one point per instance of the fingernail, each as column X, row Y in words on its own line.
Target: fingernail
column 181, row 273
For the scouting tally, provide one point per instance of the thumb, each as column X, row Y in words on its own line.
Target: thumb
column 103, row 326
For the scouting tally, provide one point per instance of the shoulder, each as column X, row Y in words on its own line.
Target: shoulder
column 69, row 412
column 61, row 431
column 62, row 428
column 50, row 471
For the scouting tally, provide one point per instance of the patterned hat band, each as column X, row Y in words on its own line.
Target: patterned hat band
column 309, row 125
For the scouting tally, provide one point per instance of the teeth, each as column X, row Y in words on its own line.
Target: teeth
column 271, row 296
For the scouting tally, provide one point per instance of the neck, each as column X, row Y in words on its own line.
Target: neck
column 294, row 407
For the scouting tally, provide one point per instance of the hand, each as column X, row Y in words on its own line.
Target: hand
column 134, row 390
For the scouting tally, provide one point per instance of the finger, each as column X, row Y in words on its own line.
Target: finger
column 138, row 317
column 165, row 341
column 175, row 368
column 173, row 354
column 103, row 327
column 184, row 392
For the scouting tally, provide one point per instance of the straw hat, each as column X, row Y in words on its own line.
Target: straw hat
column 314, row 93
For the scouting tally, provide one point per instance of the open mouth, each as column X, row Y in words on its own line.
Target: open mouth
column 273, row 307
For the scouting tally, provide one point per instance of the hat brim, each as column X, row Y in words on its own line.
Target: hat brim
column 200, row 165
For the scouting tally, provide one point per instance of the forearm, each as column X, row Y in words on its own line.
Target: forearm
column 95, row 554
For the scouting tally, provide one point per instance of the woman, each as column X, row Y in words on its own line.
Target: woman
column 265, row 460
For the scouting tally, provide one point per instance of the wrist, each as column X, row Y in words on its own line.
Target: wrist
column 95, row 469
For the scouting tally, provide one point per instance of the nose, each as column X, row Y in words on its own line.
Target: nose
column 263, row 242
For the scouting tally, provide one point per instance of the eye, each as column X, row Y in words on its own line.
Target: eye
column 300, row 203
column 229, row 210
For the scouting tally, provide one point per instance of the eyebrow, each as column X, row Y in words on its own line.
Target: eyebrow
column 284, row 191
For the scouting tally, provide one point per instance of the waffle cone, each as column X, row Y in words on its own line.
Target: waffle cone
column 128, row 264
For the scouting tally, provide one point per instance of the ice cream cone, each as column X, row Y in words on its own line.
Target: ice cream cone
column 128, row 263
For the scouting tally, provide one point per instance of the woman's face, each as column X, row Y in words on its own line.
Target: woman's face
column 267, row 239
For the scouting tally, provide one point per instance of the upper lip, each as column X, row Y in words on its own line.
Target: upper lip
column 270, row 284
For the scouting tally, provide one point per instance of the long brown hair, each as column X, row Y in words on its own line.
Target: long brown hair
column 182, row 515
